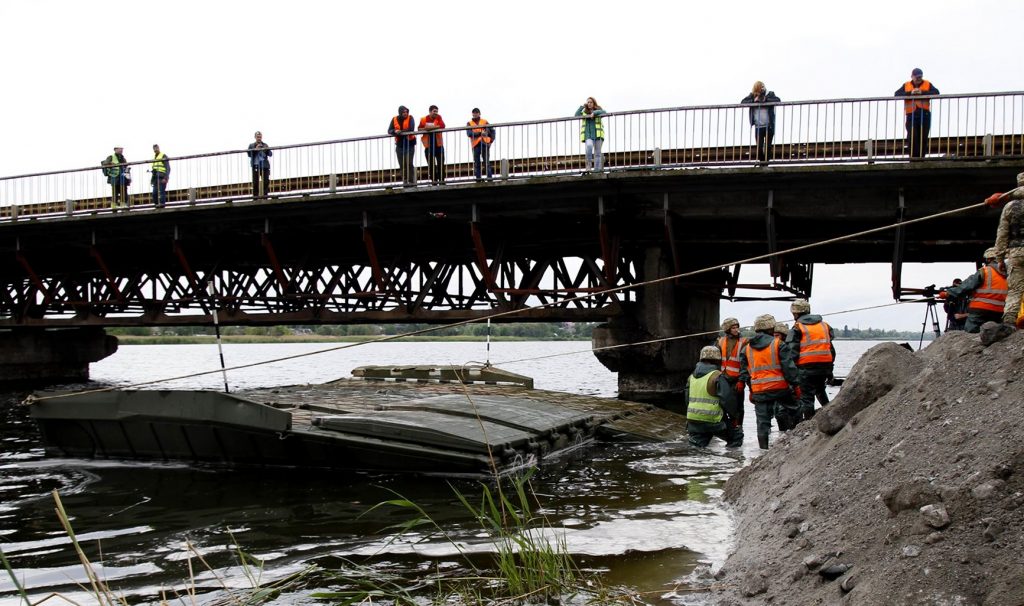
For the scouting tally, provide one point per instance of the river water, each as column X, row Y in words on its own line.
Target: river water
column 643, row 515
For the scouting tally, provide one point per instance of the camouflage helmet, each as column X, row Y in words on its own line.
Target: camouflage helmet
column 710, row 352
column 991, row 253
column 764, row 322
column 800, row 306
column 729, row 323
column 781, row 327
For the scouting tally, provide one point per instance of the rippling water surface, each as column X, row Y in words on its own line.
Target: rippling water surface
column 644, row 515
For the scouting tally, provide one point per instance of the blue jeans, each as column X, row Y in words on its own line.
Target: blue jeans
column 482, row 153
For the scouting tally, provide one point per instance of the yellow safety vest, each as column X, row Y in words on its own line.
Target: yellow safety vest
column 158, row 163
column 701, row 405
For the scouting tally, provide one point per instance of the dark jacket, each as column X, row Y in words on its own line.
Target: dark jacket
column 768, row 98
column 788, row 363
column 259, row 157
column 793, row 346
column 403, row 142
column 721, row 388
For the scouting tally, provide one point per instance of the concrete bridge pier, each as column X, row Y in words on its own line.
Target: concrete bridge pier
column 657, row 372
column 36, row 355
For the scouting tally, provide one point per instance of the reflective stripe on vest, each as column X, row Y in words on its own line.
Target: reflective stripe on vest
column 992, row 294
column 765, row 369
column 598, row 134
column 406, row 124
column 815, row 345
column 480, row 132
column 701, row 405
column 731, row 359
column 113, row 171
column 910, row 106
column 159, row 166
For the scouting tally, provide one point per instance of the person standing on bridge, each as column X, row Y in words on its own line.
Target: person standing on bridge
column 771, row 373
column 710, row 407
column 401, row 128
column 987, row 290
column 730, row 344
column 433, row 145
column 592, row 133
column 161, row 169
column 1010, row 248
column 480, row 138
column 918, row 110
column 762, row 118
column 119, row 177
column 809, row 343
column 259, row 159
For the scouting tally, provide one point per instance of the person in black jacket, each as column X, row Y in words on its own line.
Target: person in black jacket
column 762, row 118
column 259, row 159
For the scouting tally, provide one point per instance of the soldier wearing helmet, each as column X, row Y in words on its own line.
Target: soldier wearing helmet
column 730, row 344
column 770, row 372
column 1010, row 248
column 781, row 330
column 986, row 289
column 709, row 407
column 809, row 343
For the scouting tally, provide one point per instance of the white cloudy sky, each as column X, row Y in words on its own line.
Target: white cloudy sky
column 197, row 77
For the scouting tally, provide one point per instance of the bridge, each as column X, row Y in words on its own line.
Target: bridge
column 338, row 239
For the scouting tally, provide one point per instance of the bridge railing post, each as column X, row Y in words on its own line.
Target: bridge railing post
column 657, row 157
column 69, row 207
column 14, row 212
column 333, row 183
column 504, row 169
column 869, row 151
column 988, row 145
column 191, row 196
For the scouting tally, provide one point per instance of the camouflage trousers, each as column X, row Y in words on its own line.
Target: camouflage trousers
column 1014, row 284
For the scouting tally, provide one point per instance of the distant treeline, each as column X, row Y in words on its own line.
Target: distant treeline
column 540, row 331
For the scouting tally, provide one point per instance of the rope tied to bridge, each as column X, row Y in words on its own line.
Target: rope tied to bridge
column 613, row 290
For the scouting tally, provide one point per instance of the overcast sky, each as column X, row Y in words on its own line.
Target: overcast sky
column 195, row 77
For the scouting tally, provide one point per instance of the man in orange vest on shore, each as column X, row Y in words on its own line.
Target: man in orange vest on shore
column 918, row 109
column 770, row 372
column 480, row 138
column 401, row 128
column 730, row 344
column 809, row 343
column 987, row 289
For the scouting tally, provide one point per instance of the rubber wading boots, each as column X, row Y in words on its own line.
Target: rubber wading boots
column 762, row 441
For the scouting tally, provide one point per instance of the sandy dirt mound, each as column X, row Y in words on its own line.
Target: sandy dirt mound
column 909, row 491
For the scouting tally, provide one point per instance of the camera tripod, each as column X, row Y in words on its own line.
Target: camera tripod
column 929, row 312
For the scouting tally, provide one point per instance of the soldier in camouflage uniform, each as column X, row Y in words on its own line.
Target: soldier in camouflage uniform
column 1010, row 247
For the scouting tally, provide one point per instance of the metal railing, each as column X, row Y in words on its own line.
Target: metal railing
column 863, row 130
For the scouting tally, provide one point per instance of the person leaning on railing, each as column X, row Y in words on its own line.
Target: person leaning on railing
column 433, row 145
column 480, row 138
column 762, row 118
column 918, row 111
column 592, row 132
column 401, row 128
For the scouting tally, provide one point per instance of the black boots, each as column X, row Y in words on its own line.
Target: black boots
column 762, row 441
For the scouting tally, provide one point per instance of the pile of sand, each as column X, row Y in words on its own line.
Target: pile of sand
column 907, row 489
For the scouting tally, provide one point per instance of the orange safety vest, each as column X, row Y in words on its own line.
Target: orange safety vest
column 815, row 345
column 480, row 132
column 731, row 359
column 992, row 294
column 438, row 142
column 403, row 125
column 765, row 368
column 921, row 103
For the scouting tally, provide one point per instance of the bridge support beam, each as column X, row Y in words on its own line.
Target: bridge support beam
column 35, row 355
column 657, row 372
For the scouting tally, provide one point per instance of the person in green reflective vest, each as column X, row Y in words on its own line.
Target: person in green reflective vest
column 709, row 407
column 161, row 169
column 118, row 176
column 592, row 133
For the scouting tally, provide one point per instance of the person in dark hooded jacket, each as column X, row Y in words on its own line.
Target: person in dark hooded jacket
column 771, row 374
column 710, row 405
column 762, row 118
column 810, row 344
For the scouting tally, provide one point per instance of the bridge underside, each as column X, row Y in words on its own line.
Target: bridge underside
column 544, row 249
